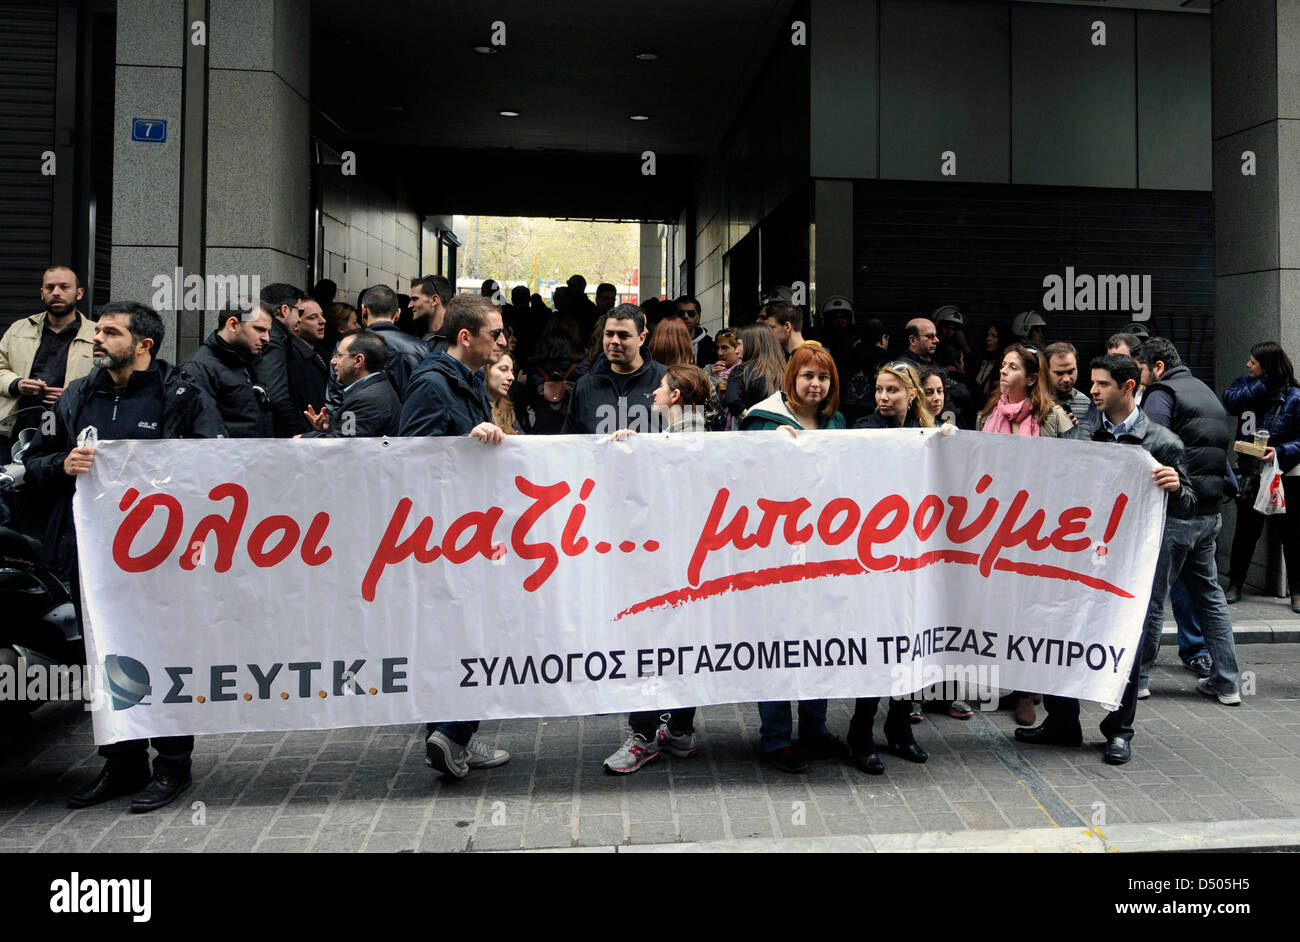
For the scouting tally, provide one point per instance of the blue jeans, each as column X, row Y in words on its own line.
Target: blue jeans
column 1191, row 640
column 458, row 732
column 777, row 726
column 1187, row 552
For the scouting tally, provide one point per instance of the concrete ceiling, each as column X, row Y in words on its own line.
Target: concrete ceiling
column 407, row 74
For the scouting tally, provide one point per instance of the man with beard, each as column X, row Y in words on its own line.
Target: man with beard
column 133, row 395
column 41, row 354
column 222, row 368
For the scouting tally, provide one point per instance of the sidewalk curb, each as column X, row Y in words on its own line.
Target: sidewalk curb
column 1265, row 834
column 1246, row 632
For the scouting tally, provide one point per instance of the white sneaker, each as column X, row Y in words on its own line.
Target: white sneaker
column 479, row 755
column 1143, row 693
column 634, row 753
column 443, row 755
column 683, row 746
column 1227, row 699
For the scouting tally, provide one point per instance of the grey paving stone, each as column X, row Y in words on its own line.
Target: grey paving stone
column 441, row 837
column 341, row 839
column 547, row 836
column 498, row 838
column 751, row 827
column 233, row 840
column 284, row 845
column 391, row 843
column 600, row 830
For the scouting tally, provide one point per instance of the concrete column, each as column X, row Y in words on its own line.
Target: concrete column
column 151, row 36
column 259, row 140
column 225, row 195
column 651, row 260
column 1256, row 79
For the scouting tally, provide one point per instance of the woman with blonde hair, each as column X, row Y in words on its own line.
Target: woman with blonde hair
column 900, row 401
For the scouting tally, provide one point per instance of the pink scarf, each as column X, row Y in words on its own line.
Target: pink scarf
column 1008, row 413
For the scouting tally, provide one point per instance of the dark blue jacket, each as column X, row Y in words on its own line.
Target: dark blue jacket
column 444, row 398
column 405, row 354
column 1277, row 411
column 595, row 404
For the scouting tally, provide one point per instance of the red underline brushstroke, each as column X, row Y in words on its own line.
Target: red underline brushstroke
column 1056, row 572
column 798, row 572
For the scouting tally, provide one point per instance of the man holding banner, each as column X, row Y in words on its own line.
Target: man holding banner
column 130, row 394
column 1114, row 380
column 447, row 396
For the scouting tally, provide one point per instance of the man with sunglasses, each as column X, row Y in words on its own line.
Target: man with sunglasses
column 223, row 368
column 447, row 395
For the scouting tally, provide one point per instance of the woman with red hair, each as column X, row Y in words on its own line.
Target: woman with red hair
column 670, row 343
column 809, row 399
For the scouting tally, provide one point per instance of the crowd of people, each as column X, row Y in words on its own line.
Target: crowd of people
column 431, row 362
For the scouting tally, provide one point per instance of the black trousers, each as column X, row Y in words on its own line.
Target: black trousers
column 646, row 722
column 173, row 752
column 1250, row 523
column 1063, row 712
column 897, row 721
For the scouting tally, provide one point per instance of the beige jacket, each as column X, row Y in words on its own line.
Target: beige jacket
column 18, row 350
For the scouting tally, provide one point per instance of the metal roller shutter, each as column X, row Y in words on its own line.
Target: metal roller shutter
column 27, row 77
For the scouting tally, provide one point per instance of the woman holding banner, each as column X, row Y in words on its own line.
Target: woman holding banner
column 1024, row 405
column 679, row 404
column 900, row 403
column 808, row 400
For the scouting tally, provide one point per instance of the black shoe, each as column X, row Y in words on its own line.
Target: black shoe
column 827, row 746
column 1233, row 595
column 869, row 762
column 164, row 788
column 908, row 750
column 1046, row 735
column 787, row 760
column 115, row 780
column 1201, row 665
column 1118, row 751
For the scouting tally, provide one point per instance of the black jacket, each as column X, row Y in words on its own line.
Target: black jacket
column 160, row 402
column 435, row 341
column 706, row 351
column 744, row 391
column 308, row 377
column 1164, row 446
column 444, row 398
column 271, row 371
column 226, row 374
column 370, row 409
column 405, row 354
column 1200, row 420
column 876, row 420
column 596, row 399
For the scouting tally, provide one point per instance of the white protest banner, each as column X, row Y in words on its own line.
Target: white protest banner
column 255, row 585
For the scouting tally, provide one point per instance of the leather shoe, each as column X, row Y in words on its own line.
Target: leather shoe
column 1233, row 595
column 869, row 763
column 909, row 751
column 1118, row 751
column 113, row 781
column 1046, row 735
column 162, row 790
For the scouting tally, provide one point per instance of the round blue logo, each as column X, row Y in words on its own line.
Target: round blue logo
column 127, row 679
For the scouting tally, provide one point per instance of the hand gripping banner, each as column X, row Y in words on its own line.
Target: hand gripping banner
column 239, row 585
